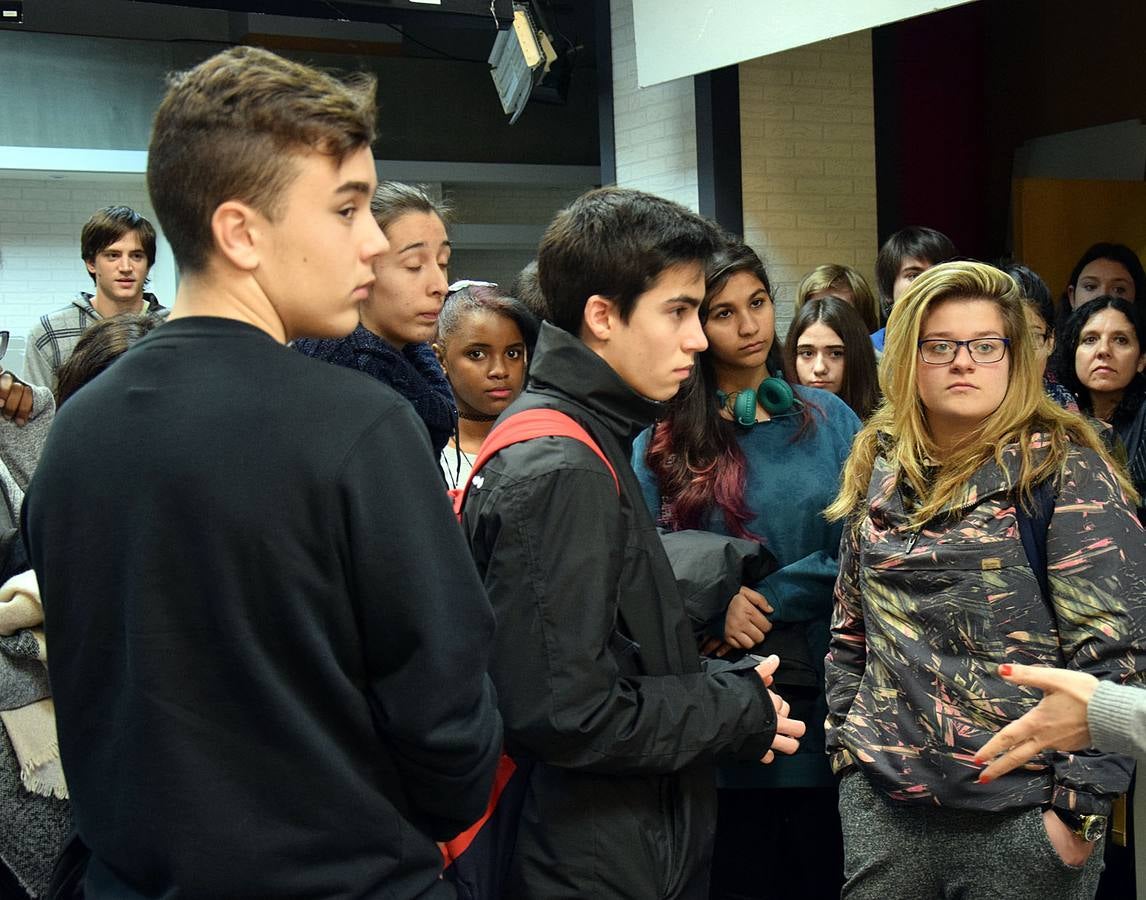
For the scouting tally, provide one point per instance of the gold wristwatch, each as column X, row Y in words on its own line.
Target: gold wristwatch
column 1089, row 828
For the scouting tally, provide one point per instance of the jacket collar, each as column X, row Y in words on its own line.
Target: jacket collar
column 83, row 302
column 563, row 366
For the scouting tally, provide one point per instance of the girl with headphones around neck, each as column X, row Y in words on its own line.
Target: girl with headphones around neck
column 743, row 453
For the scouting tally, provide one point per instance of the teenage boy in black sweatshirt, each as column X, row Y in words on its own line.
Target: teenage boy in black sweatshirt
column 268, row 640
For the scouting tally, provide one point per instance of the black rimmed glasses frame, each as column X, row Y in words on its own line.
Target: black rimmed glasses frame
column 943, row 351
column 3, row 343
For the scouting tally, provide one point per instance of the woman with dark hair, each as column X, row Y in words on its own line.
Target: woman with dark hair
column 828, row 347
column 743, row 453
column 945, row 574
column 1100, row 360
column 1105, row 269
column 483, row 345
column 400, row 317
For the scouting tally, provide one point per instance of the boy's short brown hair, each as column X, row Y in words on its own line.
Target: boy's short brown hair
column 228, row 129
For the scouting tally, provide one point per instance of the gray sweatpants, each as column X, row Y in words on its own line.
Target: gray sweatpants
column 897, row 851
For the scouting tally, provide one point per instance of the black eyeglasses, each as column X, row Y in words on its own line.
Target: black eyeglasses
column 3, row 343
column 942, row 352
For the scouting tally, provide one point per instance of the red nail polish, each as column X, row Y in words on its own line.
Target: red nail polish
column 982, row 779
column 978, row 760
column 1005, row 669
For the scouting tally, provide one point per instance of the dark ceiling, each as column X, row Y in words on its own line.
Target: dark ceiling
column 451, row 13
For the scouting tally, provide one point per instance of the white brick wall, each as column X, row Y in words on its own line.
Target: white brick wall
column 808, row 161
column 40, row 223
column 654, row 127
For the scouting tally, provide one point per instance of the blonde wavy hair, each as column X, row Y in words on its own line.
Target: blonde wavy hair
column 824, row 278
column 898, row 429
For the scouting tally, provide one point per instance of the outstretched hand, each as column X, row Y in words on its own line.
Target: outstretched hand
column 788, row 731
column 15, row 398
column 1058, row 722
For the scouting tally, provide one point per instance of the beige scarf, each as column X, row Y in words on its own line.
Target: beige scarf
column 31, row 728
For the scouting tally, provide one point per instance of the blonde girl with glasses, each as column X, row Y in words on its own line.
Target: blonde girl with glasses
column 936, row 590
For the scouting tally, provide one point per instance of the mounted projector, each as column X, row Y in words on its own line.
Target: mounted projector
column 525, row 65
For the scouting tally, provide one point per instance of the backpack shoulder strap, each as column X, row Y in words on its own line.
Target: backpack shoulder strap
column 1033, row 531
column 525, row 426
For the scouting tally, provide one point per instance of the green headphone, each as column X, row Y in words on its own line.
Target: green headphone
column 774, row 394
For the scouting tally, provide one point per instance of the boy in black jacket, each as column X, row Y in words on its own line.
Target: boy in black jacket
column 597, row 671
column 268, row 639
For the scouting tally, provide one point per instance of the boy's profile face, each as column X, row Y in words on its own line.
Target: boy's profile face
column 654, row 351
column 316, row 263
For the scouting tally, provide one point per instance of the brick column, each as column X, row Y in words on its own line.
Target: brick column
column 808, row 158
column 655, row 127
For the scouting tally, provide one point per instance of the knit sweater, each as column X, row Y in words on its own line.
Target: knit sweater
column 20, row 448
column 1116, row 716
column 414, row 372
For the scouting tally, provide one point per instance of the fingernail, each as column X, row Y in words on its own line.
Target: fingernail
column 1005, row 669
column 978, row 760
column 982, row 779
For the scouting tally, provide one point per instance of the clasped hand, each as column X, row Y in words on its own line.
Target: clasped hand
column 745, row 623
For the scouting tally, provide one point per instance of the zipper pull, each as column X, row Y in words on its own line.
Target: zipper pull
column 911, row 540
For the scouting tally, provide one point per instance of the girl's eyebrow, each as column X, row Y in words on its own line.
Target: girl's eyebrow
column 417, row 245
column 948, row 336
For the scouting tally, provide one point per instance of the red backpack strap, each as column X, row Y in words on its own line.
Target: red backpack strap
column 525, row 426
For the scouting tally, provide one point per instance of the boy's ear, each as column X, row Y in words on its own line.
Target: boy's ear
column 599, row 318
column 237, row 229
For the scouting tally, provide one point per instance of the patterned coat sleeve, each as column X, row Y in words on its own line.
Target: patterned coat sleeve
column 1096, row 563
column 847, row 653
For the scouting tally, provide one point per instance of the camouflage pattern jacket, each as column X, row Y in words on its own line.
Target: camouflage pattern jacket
column 924, row 616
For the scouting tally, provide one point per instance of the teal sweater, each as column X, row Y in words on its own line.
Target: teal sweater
column 787, row 485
